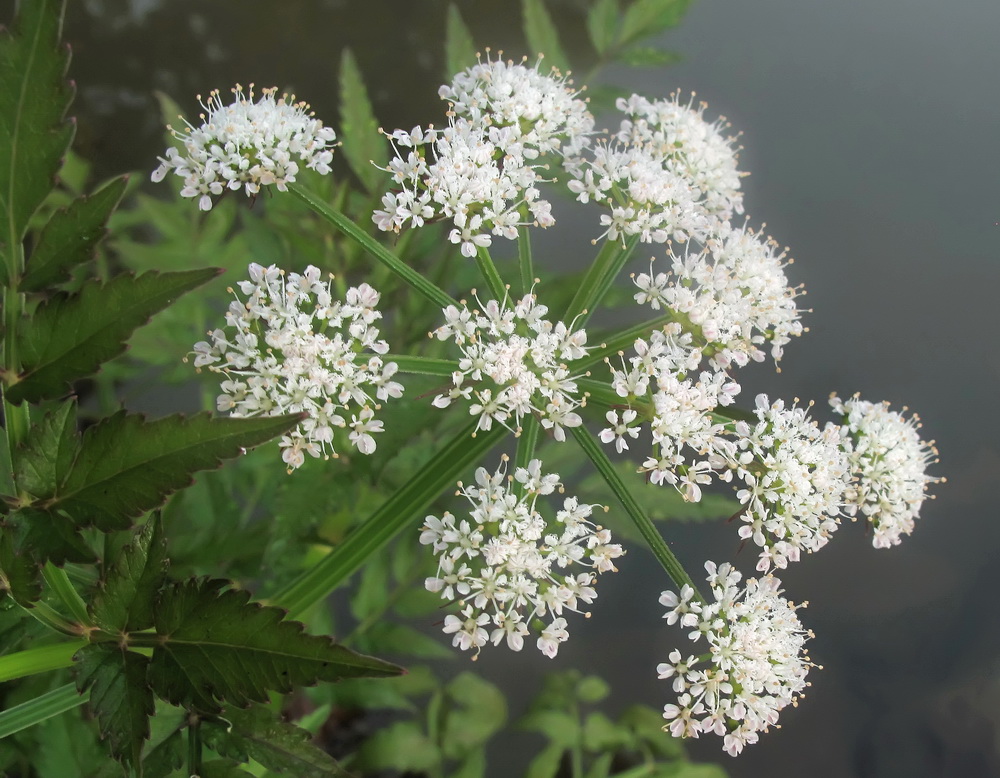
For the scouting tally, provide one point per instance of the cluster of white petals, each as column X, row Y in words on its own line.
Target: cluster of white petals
column 755, row 663
column 689, row 442
column 890, row 462
column 247, row 144
column 514, row 363
column 289, row 347
column 506, row 564
column 733, row 293
column 667, row 173
column 542, row 114
column 796, row 476
column 462, row 173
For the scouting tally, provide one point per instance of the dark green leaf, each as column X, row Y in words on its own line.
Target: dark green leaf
column 222, row 768
column 19, row 574
column 362, row 142
column 127, row 465
column 257, row 734
column 648, row 17
column 602, row 24
column 70, row 237
column 120, row 698
column 541, row 33
column 42, row 462
column 401, row 746
column 165, row 757
column 69, row 336
column 34, row 97
column 126, row 601
column 459, row 47
column 214, row 645
column 49, row 537
column 648, row 57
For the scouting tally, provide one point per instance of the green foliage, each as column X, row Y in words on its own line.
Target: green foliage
column 459, row 46
column 33, row 134
column 648, row 17
column 602, row 24
column 362, row 144
column 541, row 33
column 648, row 57
column 257, row 734
column 70, row 335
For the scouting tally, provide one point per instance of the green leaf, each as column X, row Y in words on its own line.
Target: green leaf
column 70, row 237
column 127, row 465
column 473, row 766
column 126, row 601
column 69, row 336
column 34, row 97
column 222, row 768
column 47, row 536
column 361, row 141
column 167, row 756
column 601, row 766
column 648, row 17
column 541, row 33
column 560, row 727
column 213, row 645
column 602, row 24
column 592, row 689
column 36, row 710
column 19, row 572
column 648, row 57
column 476, row 710
column 120, row 698
column 43, row 460
column 401, row 746
column 601, row 734
column 547, row 763
column 257, row 734
column 459, row 47
column 38, row 660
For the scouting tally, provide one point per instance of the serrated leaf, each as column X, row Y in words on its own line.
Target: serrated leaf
column 34, row 97
column 648, row 17
column 541, row 33
column 361, row 141
column 167, row 756
column 45, row 536
column 459, row 47
column 126, row 601
column 19, row 573
column 214, row 645
column 602, row 24
column 70, row 237
column 257, row 734
column 222, row 768
column 127, row 465
column 45, row 457
column 648, row 57
column 69, row 336
column 120, row 697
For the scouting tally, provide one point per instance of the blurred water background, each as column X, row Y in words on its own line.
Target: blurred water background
column 872, row 133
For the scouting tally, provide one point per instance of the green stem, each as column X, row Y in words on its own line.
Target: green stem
column 57, row 579
column 17, row 417
column 650, row 534
column 39, row 660
column 620, row 341
column 490, row 274
column 194, row 745
column 37, row 710
column 397, row 512
column 601, row 275
column 422, row 365
column 53, row 620
column 429, row 290
column 524, row 261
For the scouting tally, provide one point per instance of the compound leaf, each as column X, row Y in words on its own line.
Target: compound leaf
column 42, row 462
column 648, row 17
column 120, row 698
column 70, row 237
column 34, row 97
column 361, row 141
column 215, row 646
column 69, row 336
column 257, row 734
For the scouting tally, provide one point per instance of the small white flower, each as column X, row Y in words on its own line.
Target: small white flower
column 620, row 429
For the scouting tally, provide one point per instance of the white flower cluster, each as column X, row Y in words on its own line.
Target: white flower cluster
column 482, row 171
column 247, row 144
column 733, row 294
column 755, row 663
column 504, row 564
column 524, row 357
column 291, row 348
column 890, row 462
column 668, row 173
column 795, row 477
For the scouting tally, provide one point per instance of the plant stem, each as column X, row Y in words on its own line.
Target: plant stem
column 51, row 619
column 194, row 744
column 40, row 708
column 490, row 273
column 601, row 275
column 620, row 341
column 39, row 660
column 422, row 365
column 429, row 290
column 650, row 534
column 17, row 418
column 57, row 579
column 524, row 261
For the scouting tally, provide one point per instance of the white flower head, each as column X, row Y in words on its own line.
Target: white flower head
column 751, row 665
column 514, row 363
column 247, row 144
column 507, row 565
column 289, row 347
column 890, row 461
